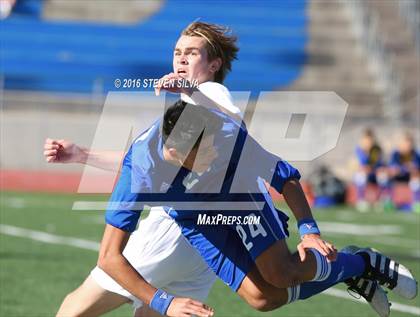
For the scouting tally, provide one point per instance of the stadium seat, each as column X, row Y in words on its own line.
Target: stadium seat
column 76, row 57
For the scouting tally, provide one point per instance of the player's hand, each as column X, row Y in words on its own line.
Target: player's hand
column 63, row 151
column 186, row 307
column 314, row 241
column 173, row 83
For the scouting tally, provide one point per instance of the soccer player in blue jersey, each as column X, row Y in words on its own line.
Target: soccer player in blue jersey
column 153, row 164
column 372, row 170
column 404, row 167
column 256, row 260
column 179, row 153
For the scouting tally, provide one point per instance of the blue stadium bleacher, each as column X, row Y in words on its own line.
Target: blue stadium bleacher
column 74, row 56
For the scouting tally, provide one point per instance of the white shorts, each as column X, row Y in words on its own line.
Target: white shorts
column 165, row 259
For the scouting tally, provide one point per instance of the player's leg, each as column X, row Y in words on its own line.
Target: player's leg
column 283, row 269
column 267, row 247
column 290, row 271
column 229, row 255
column 265, row 241
column 266, row 244
column 223, row 250
column 259, row 294
column 385, row 192
column 378, row 269
column 160, row 253
column 263, row 296
column 415, row 190
column 225, row 253
column 90, row 299
column 360, row 182
column 100, row 293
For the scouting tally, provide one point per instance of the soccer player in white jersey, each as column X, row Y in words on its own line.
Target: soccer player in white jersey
column 212, row 67
column 237, row 280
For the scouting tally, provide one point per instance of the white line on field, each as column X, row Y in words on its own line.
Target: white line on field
column 395, row 241
column 357, row 229
column 395, row 306
column 383, row 240
column 350, row 215
column 184, row 205
column 93, row 245
column 48, row 237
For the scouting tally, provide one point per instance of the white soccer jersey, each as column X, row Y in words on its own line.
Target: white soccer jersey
column 211, row 94
column 165, row 259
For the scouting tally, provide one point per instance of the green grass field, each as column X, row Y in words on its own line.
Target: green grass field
column 35, row 276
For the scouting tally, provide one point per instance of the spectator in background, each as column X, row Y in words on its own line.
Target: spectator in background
column 328, row 189
column 405, row 167
column 372, row 170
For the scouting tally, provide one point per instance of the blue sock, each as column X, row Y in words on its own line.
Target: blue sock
column 328, row 274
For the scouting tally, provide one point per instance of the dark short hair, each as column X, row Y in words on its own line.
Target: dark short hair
column 190, row 122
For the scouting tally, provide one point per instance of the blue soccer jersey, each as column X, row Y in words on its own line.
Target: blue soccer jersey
column 373, row 158
column 233, row 185
column 401, row 161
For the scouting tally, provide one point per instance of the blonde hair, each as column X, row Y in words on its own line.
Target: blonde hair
column 220, row 43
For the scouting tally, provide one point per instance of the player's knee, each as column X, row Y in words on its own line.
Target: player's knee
column 278, row 267
column 261, row 301
column 268, row 304
column 263, row 305
column 283, row 276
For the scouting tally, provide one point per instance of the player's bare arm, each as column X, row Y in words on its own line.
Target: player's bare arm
column 296, row 200
column 112, row 261
column 65, row 151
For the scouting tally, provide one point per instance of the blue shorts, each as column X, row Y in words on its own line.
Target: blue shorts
column 230, row 250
